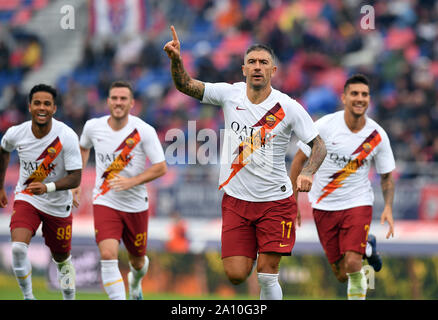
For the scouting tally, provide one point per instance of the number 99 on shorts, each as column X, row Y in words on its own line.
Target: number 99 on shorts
column 63, row 233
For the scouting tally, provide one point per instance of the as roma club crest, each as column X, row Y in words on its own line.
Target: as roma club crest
column 270, row 120
column 367, row 147
column 52, row 152
column 130, row 142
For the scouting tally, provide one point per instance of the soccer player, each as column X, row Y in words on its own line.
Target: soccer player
column 122, row 144
column 341, row 195
column 258, row 209
column 50, row 165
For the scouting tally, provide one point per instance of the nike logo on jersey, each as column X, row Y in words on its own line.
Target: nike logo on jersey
column 283, row 245
column 239, row 108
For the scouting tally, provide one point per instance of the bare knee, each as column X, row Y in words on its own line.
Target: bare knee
column 268, row 263
column 341, row 277
column 21, row 235
column 106, row 254
column 353, row 262
column 339, row 270
column 137, row 262
column 237, row 276
column 349, row 263
column 108, row 249
column 237, row 268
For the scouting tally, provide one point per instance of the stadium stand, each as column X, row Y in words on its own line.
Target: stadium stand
column 318, row 44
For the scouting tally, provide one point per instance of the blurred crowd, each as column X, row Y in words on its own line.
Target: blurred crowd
column 318, row 45
column 20, row 53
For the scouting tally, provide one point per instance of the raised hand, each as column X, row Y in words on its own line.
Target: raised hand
column 173, row 47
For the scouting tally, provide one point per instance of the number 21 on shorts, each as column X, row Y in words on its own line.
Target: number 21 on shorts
column 140, row 239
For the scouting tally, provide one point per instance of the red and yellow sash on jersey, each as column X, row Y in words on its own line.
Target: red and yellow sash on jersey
column 267, row 123
column 49, row 155
column 351, row 167
column 120, row 162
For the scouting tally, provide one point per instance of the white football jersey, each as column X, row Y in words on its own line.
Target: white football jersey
column 256, row 139
column 121, row 152
column 342, row 180
column 44, row 160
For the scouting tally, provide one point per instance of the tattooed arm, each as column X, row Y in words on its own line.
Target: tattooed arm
column 183, row 81
column 387, row 184
column 304, row 179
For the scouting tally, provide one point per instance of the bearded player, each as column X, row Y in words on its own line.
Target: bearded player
column 122, row 145
column 258, row 208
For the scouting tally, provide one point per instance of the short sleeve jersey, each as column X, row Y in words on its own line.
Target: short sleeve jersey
column 256, row 139
column 342, row 180
column 123, row 152
column 44, row 160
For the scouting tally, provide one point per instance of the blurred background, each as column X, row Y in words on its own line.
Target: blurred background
column 82, row 46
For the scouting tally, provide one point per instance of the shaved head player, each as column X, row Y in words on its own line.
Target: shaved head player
column 258, row 208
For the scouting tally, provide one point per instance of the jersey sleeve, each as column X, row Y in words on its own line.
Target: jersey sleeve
column 304, row 147
column 152, row 146
column 384, row 159
column 85, row 140
column 72, row 153
column 302, row 124
column 319, row 125
column 8, row 141
column 215, row 93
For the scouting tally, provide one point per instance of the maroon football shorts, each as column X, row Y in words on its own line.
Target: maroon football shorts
column 343, row 230
column 249, row 227
column 56, row 231
column 132, row 227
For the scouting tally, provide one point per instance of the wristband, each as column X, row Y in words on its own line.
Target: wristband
column 51, row 187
